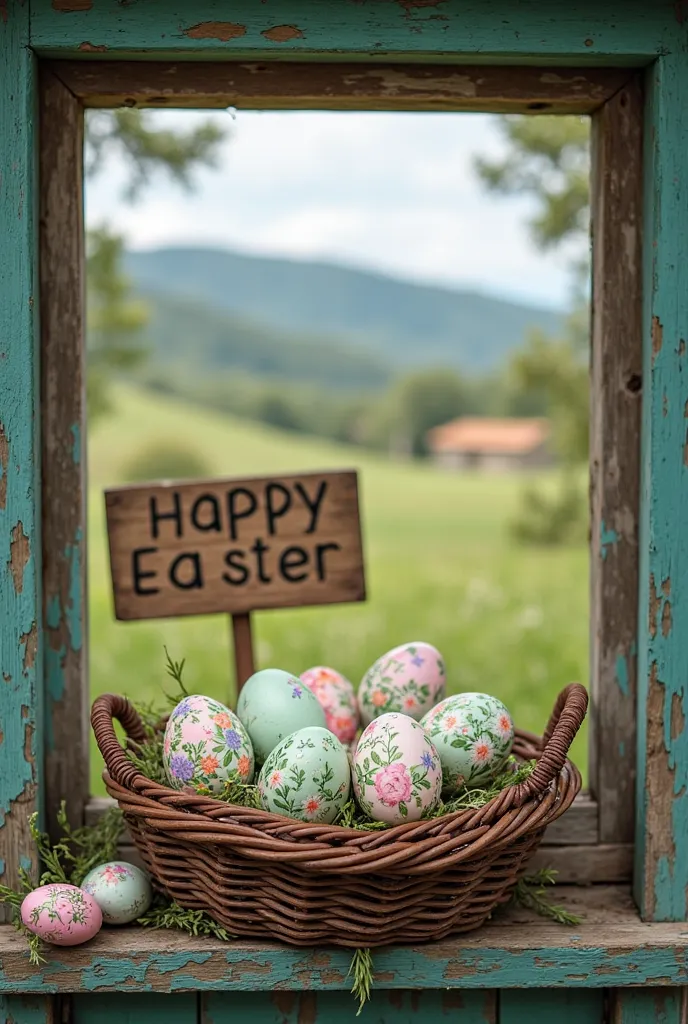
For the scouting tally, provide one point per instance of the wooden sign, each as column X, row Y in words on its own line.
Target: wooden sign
column 235, row 545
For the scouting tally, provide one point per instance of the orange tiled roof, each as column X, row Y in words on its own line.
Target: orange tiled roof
column 484, row 435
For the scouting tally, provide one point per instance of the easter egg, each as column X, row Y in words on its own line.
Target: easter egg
column 337, row 698
column 205, row 744
column 122, row 891
column 61, row 914
column 408, row 679
column 307, row 776
column 396, row 770
column 473, row 733
column 272, row 705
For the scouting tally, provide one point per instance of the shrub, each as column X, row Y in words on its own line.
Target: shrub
column 165, row 460
column 550, row 520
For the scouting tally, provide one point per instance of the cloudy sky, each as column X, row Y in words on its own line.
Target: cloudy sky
column 393, row 192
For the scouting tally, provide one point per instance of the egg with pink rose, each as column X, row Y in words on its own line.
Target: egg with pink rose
column 337, row 698
column 61, row 914
column 474, row 734
column 409, row 679
column 397, row 773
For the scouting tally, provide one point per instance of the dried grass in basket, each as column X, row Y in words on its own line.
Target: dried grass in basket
column 266, row 876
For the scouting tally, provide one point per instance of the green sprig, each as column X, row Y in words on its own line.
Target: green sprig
column 530, row 892
column 168, row 914
column 361, row 968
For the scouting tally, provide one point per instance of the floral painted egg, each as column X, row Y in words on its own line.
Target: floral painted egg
column 206, row 744
column 408, row 679
column 121, row 890
column 396, row 770
column 473, row 733
column 61, row 914
column 273, row 704
column 306, row 776
column 337, row 699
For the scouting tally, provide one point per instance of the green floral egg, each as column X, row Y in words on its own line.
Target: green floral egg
column 473, row 734
column 307, row 777
column 272, row 705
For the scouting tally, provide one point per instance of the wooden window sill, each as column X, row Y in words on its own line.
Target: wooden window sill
column 611, row 947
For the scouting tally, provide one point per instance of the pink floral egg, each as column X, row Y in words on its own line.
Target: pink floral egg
column 63, row 915
column 397, row 773
column 408, row 679
column 205, row 744
column 337, row 698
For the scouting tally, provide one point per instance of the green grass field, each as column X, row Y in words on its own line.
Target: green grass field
column 440, row 565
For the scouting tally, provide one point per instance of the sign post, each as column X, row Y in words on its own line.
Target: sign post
column 235, row 546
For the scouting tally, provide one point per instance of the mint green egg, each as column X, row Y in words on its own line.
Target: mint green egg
column 272, row 705
column 307, row 776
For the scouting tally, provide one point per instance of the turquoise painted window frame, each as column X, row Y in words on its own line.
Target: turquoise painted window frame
column 630, row 35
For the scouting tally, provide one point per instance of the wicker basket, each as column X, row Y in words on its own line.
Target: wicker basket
column 266, row 876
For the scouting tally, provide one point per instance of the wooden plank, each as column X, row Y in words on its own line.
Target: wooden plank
column 397, row 1007
column 63, row 405
column 515, row 949
column 577, row 827
column 134, row 1008
column 616, row 384
column 311, row 86
column 649, row 1006
column 662, row 795
column 580, row 865
column 242, row 640
column 35, row 1009
column 623, row 31
column 20, row 578
column 577, row 1006
column 235, row 545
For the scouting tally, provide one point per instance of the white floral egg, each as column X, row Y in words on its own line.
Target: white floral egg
column 473, row 733
column 205, row 744
column 337, row 698
column 306, row 776
column 396, row 770
column 121, row 890
column 273, row 704
column 408, row 679
column 63, row 915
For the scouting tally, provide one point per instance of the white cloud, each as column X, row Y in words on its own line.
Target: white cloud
column 394, row 192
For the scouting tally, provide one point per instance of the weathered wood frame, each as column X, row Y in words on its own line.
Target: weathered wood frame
column 639, row 560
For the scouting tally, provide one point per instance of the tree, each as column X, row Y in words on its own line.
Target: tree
column 116, row 318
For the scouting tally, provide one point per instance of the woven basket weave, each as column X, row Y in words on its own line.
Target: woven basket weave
column 266, row 876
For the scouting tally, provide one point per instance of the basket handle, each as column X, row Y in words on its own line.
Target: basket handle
column 105, row 708
column 565, row 721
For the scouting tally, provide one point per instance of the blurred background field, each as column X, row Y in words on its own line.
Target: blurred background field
column 441, row 566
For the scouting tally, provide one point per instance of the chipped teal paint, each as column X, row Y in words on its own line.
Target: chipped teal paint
column 55, row 687
column 340, row 1008
column 74, row 611
column 607, row 539
column 649, row 1006
column 2, row 867
column 627, row 32
column 661, row 875
column 574, row 1007
column 622, row 674
column 26, row 1010
column 568, row 965
column 133, row 1008
column 622, row 749
column 25, row 863
column 76, row 446
column 20, row 612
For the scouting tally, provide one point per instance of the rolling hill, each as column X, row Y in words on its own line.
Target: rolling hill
column 356, row 312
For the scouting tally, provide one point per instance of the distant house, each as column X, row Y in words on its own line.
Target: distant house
column 491, row 444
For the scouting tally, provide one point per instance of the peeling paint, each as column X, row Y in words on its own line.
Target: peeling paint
column 657, row 337
column 608, row 538
column 655, row 603
column 282, row 33
column 74, row 610
column 622, row 675
column 76, row 443
column 71, row 6
column 222, row 30
column 30, row 643
column 678, row 719
column 20, row 552
column 4, row 460
column 87, row 47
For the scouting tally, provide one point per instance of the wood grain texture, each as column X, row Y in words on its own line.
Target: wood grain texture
column 242, row 640
column 20, row 555
column 623, row 31
column 662, row 791
column 135, row 1008
column 312, row 86
column 35, row 1009
column 63, row 406
column 514, row 950
column 235, row 545
column 548, row 1007
column 649, row 1006
column 580, row 865
column 398, row 1007
column 616, row 386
